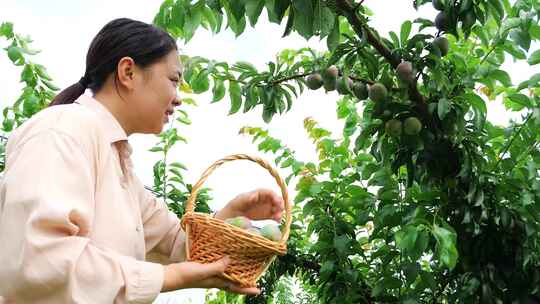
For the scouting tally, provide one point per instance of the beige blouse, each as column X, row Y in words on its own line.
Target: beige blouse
column 76, row 225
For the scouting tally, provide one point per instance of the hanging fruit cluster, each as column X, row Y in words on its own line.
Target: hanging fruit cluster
column 331, row 80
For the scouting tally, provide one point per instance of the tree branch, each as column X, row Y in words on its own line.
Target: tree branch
column 512, row 140
column 152, row 190
column 309, row 73
column 347, row 10
column 289, row 78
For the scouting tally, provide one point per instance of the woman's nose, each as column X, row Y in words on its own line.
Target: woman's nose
column 177, row 101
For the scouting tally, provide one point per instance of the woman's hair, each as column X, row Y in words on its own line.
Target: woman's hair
column 143, row 42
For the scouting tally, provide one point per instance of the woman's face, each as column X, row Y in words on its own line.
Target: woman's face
column 155, row 94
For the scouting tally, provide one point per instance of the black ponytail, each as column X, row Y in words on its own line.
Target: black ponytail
column 143, row 42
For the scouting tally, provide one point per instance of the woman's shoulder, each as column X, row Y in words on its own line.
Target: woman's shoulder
column 71, row 120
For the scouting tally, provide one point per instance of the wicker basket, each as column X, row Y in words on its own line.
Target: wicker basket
column 208, row 239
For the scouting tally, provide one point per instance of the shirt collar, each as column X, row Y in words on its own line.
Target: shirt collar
column 114, row 130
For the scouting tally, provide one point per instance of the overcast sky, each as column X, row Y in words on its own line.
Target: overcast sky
column 63, row 30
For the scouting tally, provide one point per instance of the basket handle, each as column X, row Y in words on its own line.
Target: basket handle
column 190, row 207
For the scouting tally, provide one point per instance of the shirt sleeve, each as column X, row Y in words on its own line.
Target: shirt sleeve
column 163, row 233
column 46, row 211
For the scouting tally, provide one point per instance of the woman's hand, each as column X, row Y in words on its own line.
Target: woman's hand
column 196, row 275
column 259, row 204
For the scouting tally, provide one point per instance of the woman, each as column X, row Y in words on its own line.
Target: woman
column 76, row 224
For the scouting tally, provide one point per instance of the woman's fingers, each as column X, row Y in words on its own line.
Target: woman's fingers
column 252, row 291
column 216, row 268
column 197, row 275
column 191, row 272
column 224, row 284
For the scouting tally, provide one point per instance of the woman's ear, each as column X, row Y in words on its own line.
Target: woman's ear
column 126, row 70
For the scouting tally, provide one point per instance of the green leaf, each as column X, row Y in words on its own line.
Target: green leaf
column 406, row 238
column 178, row 165
column 15, row 54
column 534, row 58
column 267, row 114
column 27, row 75
column 184, row 120
column 209, row 18
column 446, row 246
column 253, row 10
column 378, row 289
column 479, row 109
column 30, row 105
column 421, row 243
column 385, row 284
column 394, row 38
column 237, row 8
column 289, row 25
column 502, row 77
column 534, row 81
column 6, row 29
column 521, row 38
column 237, row 25
column 429, row 280
column 332, row 40
column 405, row 31
column 234, row 94
column 513, row 50
column 341, row 243
column 303, row 17
column 498, row 8
column 252, row 98
column 411, row 271
column 177, row 179
column 219, row 90
column 42, row 72
column 189, row 101
column 287, row 163
column 323, row 20
column 443, row 108
column 326, row 269
column 276, row 9
column 201, row 83
column 192, row 21
column 50, row 85
column 520, row 99
column 7, row 125
column 479, row 200
column 534, row 30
